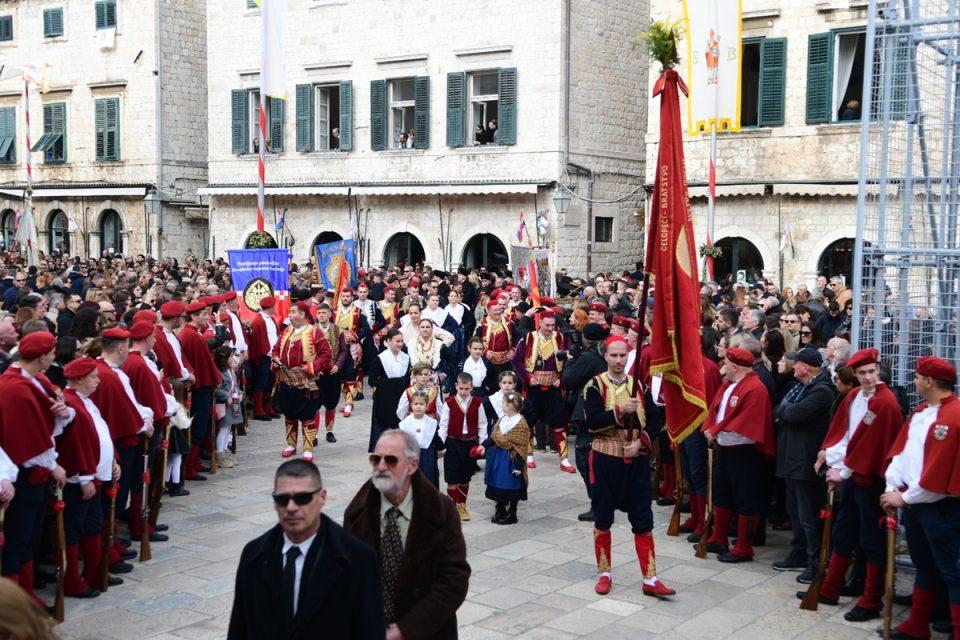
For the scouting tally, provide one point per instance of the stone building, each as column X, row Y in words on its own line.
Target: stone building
column 119, row 144
column 561, row 79
column 794, row 164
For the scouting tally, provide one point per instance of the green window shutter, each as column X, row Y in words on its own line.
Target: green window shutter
column 238, row 120
column 111, row 129
column 819, row 78
column 106, row 11
column 507, row 127
column 456, row 108
column 53, row 22
column 251, row 4
column 773, row 81
column 100, row 126
column 304, row 117
column 276, row 124
column 6, row 28
column 378, row 115
column 346, row 115
column 421, row 113
column 8, row 135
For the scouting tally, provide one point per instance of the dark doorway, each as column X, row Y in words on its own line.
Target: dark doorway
column 485, row 250
column 403, row 249
column 739, row 254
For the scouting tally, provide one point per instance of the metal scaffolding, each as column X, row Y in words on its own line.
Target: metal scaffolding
column 907, row 255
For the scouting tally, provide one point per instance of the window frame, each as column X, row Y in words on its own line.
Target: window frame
column 51, row 138
column 253, row 122
column 106, row 4
column 106, row 129
column 596, row 228
column 837, row 34
column 12, row 149
column 56, row 213
column 47, row 21
column 318, row 89
column 752, row 40
column 405, row 105
column 6, row 19
column 484, row 99
column 102, row 228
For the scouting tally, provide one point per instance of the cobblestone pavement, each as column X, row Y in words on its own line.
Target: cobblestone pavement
column 530, row 580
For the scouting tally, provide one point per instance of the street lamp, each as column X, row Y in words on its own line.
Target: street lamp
column 561, row 200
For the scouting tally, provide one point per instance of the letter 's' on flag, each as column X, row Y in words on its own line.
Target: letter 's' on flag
column 273, row 80
column 671, row 258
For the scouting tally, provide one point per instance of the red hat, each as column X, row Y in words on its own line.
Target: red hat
column 740, row 357
column 195, row 307
column 172, row 309
column 79, row 368
column 621, row 321
column 495, row 294
column 515, row 287
column 346, row 290
column 267, row 302
column 413, row 283
column 598, row 307
column 547, row 313
column 36, row 344
column 116, row 334
column 862, row 358
column 141, row 330
column 548, row 302
column 936, row 368
column 635, row 326
column 145, row 315
column 212, row 300
column 614, row 340
column 305, row 306
column 493, row 303
column 361, row 273
column 229, row 295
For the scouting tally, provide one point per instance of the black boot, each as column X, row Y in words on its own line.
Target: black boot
column 500, row 513
column 175, row 489
column 511, row 513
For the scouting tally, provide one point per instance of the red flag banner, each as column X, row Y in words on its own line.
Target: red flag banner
column 534, row 283
column 672, row 262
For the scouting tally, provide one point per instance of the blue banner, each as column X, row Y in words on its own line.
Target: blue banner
column 329, row 257
column 258, row 273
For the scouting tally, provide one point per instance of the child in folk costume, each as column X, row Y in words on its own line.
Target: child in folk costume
column 508, row 382
column 329, row 384
column 423, row 385
column 483, row 373
column 424, row 430
column 462, row 420
column 506, row 449
column 228, row 399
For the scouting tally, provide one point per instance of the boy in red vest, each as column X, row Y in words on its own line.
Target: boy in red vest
column 462, row 420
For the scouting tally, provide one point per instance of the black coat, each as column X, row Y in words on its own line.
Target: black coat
column 340, row 591
column 576, row 374
column 767, row 379
column 803, row 424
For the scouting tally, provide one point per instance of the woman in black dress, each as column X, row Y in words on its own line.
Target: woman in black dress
column 389, row 377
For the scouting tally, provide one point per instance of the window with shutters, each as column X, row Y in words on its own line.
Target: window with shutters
column 326, row 117
column 402, row 111
column 107, row 127
column 484, row 96
column 274, row 120
column 6, row 28
column 8, row 135
column 252, row 4
column 849, row 48
column 106, row 14
column 53, row 142
column 763, row 82
column 53, row 22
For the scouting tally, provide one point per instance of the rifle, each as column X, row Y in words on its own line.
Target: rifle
column 674, row 528
column 708, row 507
column 3, row 512
column 213, row 441
column 60, row 551
column 657, row 469
column 889, row 591
column 811, row 601
column 145, row 553
column 159, row 476
column 103, row 569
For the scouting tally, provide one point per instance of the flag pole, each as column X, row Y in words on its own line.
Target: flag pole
column 28, row 194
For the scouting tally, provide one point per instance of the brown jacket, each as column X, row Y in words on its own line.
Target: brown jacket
column 434, row 573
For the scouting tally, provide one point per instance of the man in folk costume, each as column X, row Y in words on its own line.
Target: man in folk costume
column 176, row 368
column 412, row 296
column 740, row 427
column 355, row 330
column 229, row 311
column 196, row 349
column 855, row 453
column 263, row 337
column 300, row 356
column 497, row 335
column 32, row 414
column 620, row 467
column 329, row 383
column 924, row 477
column 85, row 451
column 539, row 362
column 368, row 308
column 387, row 314
column 514, row 298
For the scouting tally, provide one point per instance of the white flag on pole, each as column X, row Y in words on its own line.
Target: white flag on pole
column 273, row 80
column 27, row 234
column 713, row 30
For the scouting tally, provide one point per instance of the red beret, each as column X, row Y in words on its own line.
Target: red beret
column 267, row 302
column 305, row 307
column 495, row 294
column 346, row 290
column 36, row 344
column 740, row 357
column 146, row 315
column 862, row 358
column 79, row 368
column 615, row 339
column 195, row 307
column 172, row 309
column 413, row 283
column 621, row 321
column 116, row 334
column 547, row 313
column 936, row 368
column 229, row 295
column 141, row 330
column 493, row 303
column 599, row 308
column 635, row 326
column 212, row 300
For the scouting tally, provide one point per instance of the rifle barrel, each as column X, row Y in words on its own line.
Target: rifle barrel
column 811, row 601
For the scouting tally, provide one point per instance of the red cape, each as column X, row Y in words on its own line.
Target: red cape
column 26, row 419
column 196, row 349
column 751, row 416
column 167, row 358
column 867, row 449
column 941, row 473
column 146, row 386
column 115, row 406
column 259, row 344
column 712, row 378
column 78, row 447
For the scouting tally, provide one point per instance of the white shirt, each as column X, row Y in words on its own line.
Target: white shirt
column 455, row 312
column 438, row 315
column 271, row 328
column 508, row 422
column 838, row 452
column 175, row 347
column 907, row 466
column 8, row 470
column 496, row 401
column 422, row 430
column 477, row 370
column 729, row 438
column 394, row 366
column 48, row 459
column 239, row 343
column 297, row 564
column 445, row 418
column 105, row 465
column 145, row 412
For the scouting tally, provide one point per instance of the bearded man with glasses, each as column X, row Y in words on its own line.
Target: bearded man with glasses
column 306, row 577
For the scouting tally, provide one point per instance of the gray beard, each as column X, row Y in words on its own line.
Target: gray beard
column 384, row 485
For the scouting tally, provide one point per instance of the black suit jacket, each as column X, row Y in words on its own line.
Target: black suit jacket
column 340, row 590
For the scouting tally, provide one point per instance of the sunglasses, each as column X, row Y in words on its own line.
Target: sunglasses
column 390, row 461
column 300, row 499
column 806, row 333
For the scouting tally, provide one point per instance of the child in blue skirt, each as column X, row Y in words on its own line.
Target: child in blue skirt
column 424, row 430
column 506, row 449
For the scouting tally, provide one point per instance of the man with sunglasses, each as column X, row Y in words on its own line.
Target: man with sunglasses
column 306, row 577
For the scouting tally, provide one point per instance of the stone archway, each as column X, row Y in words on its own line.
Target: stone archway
column 739, row 254
column 485, row 250
column 403, row 248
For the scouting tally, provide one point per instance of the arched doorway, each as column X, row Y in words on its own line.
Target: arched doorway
column 111, row 232
column 485, row 250
column 9, row 222
column 58, row 229
column 837, row 259
column 739, row 254
column 403, row 249
column 324, row 237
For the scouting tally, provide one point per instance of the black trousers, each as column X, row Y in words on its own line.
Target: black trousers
column 200, row 409
column 621, row 485
column 804, row 499
column 582, row 448
column 545, row 405
column 261, row 379
column 127, row 459
column 22, row 525
column 693, row 460
column 860, row 519
column 738, row 479
column 933, row 538
column 329, row 387
column 81, row 517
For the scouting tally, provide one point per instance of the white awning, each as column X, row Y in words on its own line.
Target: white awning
column 816, row 189
column 728, row 190
column 273, row 191
column 381, row 190
column 117, row 192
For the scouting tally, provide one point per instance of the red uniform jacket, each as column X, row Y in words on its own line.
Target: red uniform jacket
column 290, row 351
column 195, row 348
column 146, row 386
column 748, row 413
column 941, row 450
column 115, row 406
column 78, row 447
column 26, row 417
column 168, row 359
column 500, row 342
column 259, row 344
column 455, row 425
column 867, row 449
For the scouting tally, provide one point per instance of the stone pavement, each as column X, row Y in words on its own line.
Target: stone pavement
column 530, row 580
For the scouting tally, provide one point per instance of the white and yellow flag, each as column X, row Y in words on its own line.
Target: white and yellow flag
column 714, row 36
column 273, row 79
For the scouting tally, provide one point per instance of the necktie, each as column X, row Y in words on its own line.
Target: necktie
column 391, row 550
column 289, row 580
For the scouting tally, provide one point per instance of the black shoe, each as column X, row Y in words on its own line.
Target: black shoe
column 197, row 478
column 161, row 527
column 499, row 514
column 89, row 593
column 264, row 418
column 358, row 396
column 176, row 490
column 114, row 581
column 827, row 601
column 121, row 567
column 859, row 614
column 275, row 415
column 790, row 563
column 694, row 538
column 732, row 559
column 900, row 635
column 686, row 529
column 715, row 547
column 331, row 437
column 903, row 599
column 944, row 626
column 685, row 507
column 853, row 588
column 205, row 455
column 666, row 502
column 511, row 517
column 124, row 542
column 586, row 516
column 129, row 554
column 158, row 537
column 807, row 576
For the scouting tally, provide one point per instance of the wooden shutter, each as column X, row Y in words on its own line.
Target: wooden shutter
column 239, row 125
column 100, row 126
column 421, row 113
column 111, row 13
column 819, row 77
column 773, row 81
column 346, row 115
column 112, row 130
column 6, row 28
column 456, row 108
column 507, row 126
column 276, row 125
column 378, row 115
column 305, row 117
column 53, row 22
column 8, row 135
